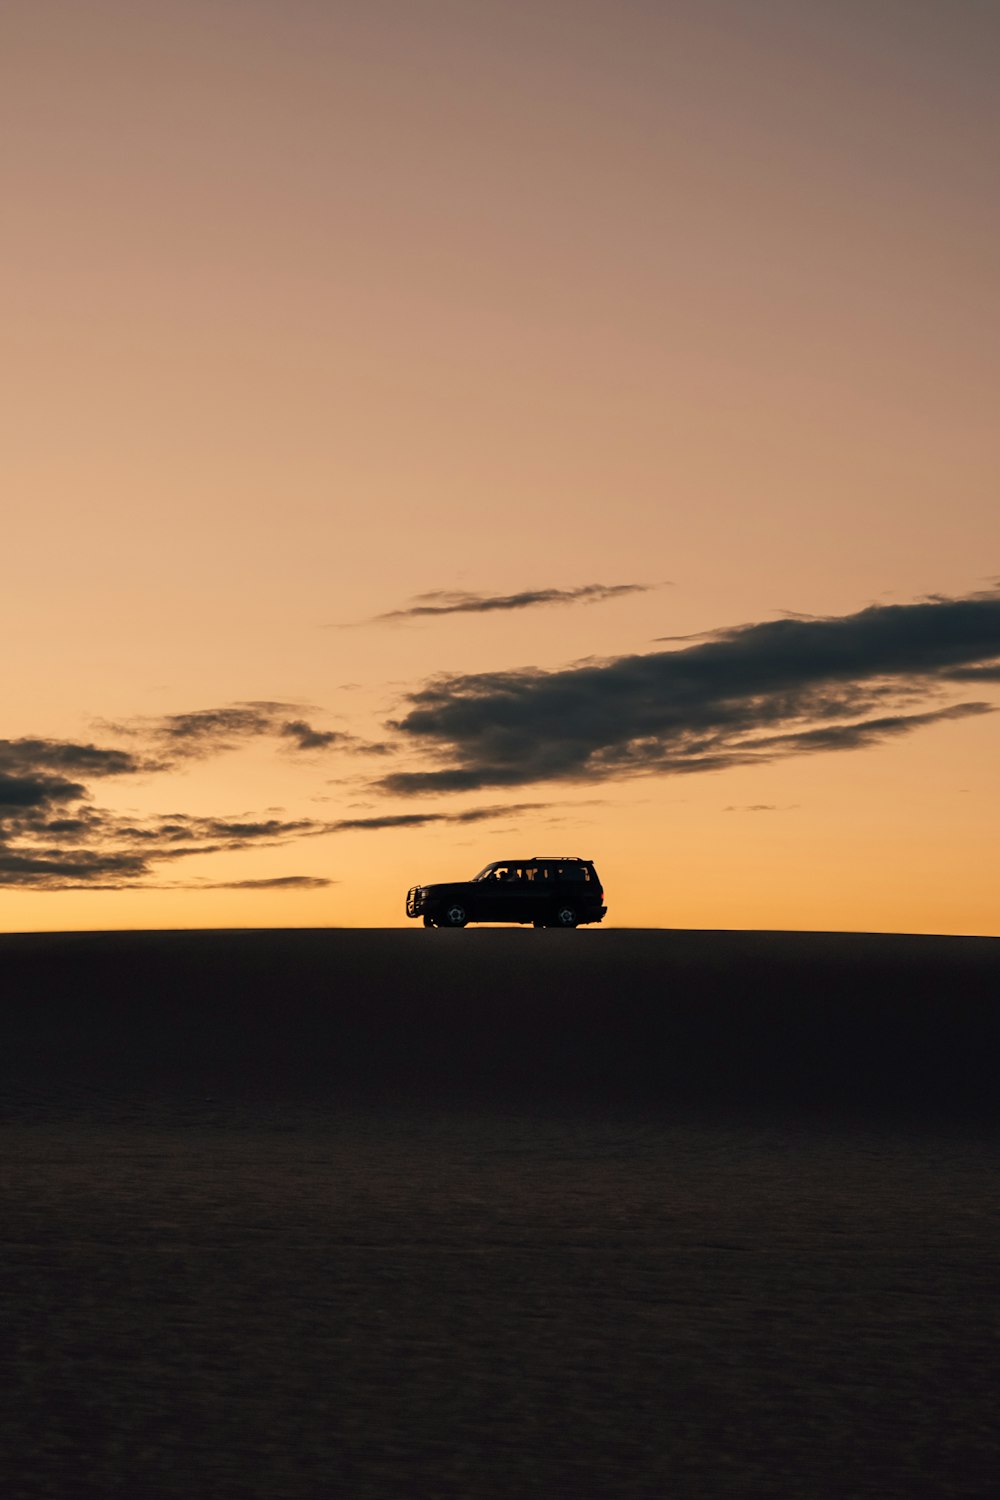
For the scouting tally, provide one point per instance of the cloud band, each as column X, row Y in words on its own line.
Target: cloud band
column 751, row 694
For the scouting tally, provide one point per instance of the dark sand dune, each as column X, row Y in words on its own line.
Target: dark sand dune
column 499, row 1213
column 847, row 1023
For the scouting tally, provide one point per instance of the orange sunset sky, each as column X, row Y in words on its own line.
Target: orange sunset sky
column 444, row 430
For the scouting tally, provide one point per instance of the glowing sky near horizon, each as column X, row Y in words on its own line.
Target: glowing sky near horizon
column 369, row 367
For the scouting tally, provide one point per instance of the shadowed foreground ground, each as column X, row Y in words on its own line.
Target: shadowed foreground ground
column 499, row 1213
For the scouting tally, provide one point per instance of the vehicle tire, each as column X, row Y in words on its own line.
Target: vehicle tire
column 429, row 922
column 565, row 917
column 453, row 916
column 539, row 924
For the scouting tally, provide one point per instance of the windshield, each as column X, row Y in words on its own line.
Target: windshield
column 485, row 872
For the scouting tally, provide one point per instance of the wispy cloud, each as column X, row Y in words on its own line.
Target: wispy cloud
column 457, row 602
column 205, row 732
column 53, row 836
column 744, row 696
column 747, row 695
column 69, row 869
column 305, row 737
column 421, row 819
column 277, row 883
column 759, row 807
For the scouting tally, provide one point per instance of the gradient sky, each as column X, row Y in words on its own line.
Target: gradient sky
column 564, row 427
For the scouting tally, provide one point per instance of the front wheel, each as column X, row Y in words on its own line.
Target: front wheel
column 454, row 916
column 429, row 922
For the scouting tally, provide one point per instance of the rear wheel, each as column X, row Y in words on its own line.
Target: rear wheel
column 565, row 917
column 454, row 916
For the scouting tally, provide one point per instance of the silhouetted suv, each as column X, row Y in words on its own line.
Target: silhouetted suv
column 562, row 892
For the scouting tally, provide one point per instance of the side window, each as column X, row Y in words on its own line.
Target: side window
column 572, row 872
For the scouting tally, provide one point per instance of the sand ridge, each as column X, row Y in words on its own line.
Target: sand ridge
column 847, row 1022
column 490, row 1214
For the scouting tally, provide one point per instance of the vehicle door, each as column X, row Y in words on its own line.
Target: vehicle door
column 537, row 892
column 492, row 895
column 506, row 894
column 574, row 888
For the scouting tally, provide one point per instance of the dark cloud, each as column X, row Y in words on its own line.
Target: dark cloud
column 306, row 737
column 457, row 602
column 857, row 736
column 68, row 869
column 206, row 731
column 66, row 757
column 976, row 674
column 743, row 696
column 19, row 794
